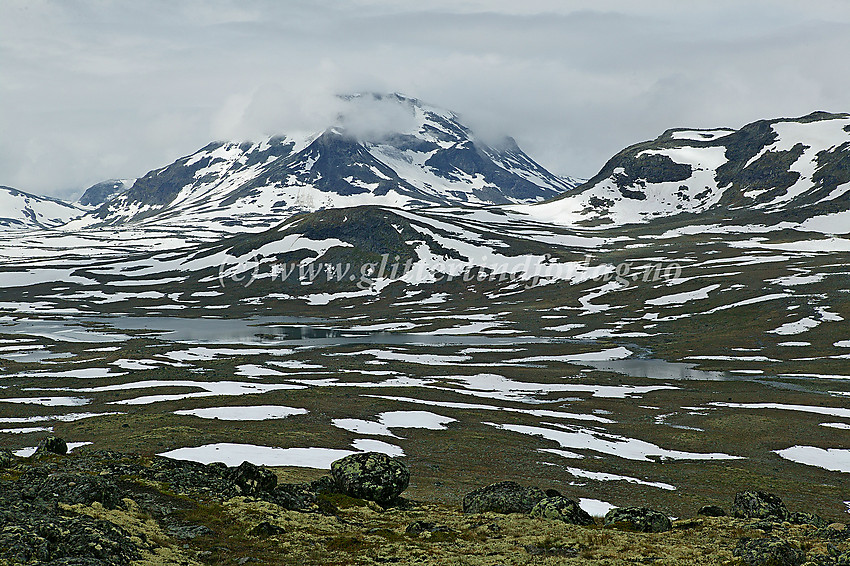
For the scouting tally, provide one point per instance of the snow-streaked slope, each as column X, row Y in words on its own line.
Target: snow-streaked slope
column 20, row 211
column 785, row 170
column 428, row 158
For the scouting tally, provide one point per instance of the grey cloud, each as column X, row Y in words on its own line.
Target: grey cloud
column 97, row 89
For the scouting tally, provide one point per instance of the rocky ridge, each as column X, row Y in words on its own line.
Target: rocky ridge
column 109, row 508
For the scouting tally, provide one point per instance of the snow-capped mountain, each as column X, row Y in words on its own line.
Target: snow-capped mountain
column 428, row 158
column 20, row 210
column 787, row 169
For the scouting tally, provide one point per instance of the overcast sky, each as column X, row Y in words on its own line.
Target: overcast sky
column 91, row 90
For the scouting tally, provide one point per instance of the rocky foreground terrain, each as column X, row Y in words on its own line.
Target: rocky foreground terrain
column 108, row 508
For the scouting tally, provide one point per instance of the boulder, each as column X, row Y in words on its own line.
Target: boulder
column 52, row 445
column 768, row 552
column 372, row 476
column 711, row 511
column 637, row 519
column 251, row 479
column 503, row 497
column 562, row 509
column 759, row 505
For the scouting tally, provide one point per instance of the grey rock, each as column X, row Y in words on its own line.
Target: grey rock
column 759, row 505
column 769, row 552
column 562, row 509
column 371, row 475
column 638, row 519
column 503, row 497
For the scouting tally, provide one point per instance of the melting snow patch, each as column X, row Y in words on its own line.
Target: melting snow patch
column 602, row 476
column 833, row 459
column 682, row 298
column 629, row 448
column 257, row 413
column 618, row 353
column 395, row 419
column 50, row 401
column 235, row 454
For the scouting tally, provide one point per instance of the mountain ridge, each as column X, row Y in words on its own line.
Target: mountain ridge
column 769, row 167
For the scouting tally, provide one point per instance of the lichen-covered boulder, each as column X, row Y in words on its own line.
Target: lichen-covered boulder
column 503, row 497
column 759, row 505
column 637, row 519
column 251, row 479
column 711, row 511
column 52, row 445
column 769, row 552
column 562, row 509
column 371, row 475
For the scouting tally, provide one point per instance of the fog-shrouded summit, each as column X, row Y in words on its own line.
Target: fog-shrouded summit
column 388, row 150
column 793, row 170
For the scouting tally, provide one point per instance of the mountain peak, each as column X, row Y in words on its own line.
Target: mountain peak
column 384, row 149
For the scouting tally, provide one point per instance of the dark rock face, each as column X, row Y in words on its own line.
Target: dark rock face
column 251, row 479
column 52, row 445
column 759, row 505
column 503, row 497
column 562, row 509
column 638, row 519
column 769, row 552
column 371, row 475
column 711, row 511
